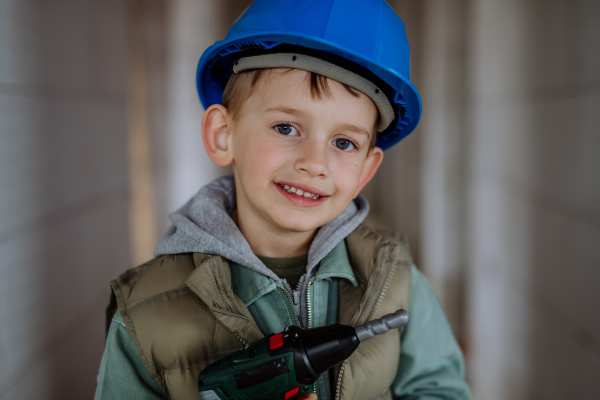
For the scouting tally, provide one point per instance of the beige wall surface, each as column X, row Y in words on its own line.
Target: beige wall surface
column 534, row 199
column 64, row 196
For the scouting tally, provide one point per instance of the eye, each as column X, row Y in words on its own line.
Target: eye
column 286, row 130
column 344, row 144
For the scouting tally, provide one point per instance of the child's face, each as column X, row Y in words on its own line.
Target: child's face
column 284, row 138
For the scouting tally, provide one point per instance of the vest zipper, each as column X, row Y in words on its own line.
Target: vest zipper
column 308, row 310
column 379, row 300
column 383, row 291
column 308, row 306
column 291, row 303
column 241, row 339
column 309, row 316
column 338, row 384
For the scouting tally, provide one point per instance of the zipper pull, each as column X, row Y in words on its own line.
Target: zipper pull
column 296, row 297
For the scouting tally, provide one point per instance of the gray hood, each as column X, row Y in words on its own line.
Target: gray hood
column 203, row 225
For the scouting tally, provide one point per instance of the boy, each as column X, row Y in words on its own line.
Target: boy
column 301, row 97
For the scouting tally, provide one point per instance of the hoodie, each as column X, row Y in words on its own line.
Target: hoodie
column 204, row 225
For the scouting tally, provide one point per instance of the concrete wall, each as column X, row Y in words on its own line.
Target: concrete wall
column 394, row 193
column 85, row 88
column 192, row 27
column 64, row 196
column 509, row 166
column 534, row 199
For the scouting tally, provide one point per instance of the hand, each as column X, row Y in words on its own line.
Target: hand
column 311, row 396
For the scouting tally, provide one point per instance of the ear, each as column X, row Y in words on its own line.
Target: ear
column 216, row 134
column 370, row 166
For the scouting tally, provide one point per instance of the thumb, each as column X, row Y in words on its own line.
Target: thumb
column 311, row 396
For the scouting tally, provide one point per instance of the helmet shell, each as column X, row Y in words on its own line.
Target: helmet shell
column 365, row 32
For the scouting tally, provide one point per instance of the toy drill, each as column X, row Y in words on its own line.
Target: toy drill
column 285, row 366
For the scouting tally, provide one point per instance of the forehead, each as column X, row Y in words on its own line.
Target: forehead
column 283, row 87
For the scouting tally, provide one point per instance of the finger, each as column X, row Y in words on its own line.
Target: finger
column 311, row 396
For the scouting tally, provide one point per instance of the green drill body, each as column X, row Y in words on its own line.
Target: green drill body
column 254, row 372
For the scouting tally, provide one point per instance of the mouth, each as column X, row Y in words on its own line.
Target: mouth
column 301, row 197
column 299, row 192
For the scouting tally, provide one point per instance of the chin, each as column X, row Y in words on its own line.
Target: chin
column 298, row 224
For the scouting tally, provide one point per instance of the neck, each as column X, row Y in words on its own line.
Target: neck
column 267, row 241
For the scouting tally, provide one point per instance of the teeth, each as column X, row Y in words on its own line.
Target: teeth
column 300, row 192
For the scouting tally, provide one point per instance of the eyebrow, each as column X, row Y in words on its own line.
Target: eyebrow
column 294, row 111
column 356, row 129
column 286, row 110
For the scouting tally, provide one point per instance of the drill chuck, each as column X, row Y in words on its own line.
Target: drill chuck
column 381, row 325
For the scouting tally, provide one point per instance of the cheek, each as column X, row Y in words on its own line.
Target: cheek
column 258, row 162
column 346, row 176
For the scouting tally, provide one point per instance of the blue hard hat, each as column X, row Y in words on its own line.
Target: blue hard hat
column 364, row 36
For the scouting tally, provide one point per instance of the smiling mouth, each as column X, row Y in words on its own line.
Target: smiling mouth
column 299, row 192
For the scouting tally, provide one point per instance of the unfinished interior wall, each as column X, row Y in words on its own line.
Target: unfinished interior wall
column 64, row 197
column 420, row 187
column 192, row 27
column 534, row 199
column 394, row 193
column 509, row 199
column 99, row 117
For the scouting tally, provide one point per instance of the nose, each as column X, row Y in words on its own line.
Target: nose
column 313, row 158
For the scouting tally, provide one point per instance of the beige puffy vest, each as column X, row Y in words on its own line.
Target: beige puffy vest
column 182, row 315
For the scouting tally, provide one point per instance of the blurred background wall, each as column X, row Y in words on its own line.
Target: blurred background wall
column 498, row 189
